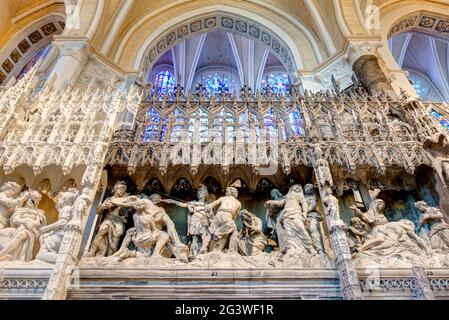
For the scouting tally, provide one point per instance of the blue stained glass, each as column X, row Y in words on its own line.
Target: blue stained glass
column 278, row 83
column 217, row 84
column 164, row 83
column 296, row 123
column 435, row 114
column 445, row 123
column 153, row 115
column 151, row 131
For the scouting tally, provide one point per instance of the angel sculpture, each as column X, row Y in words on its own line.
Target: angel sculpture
column 289, row 214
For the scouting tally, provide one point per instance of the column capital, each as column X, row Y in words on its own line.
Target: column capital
column 358, row 49
column 74, row 46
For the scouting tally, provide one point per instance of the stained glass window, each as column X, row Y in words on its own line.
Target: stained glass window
column 216, row 84
column 296, row 123
column 270, row 126
column 276, row 82
column 41, row 53
column 443, row 121
column 151, row 131
column 203, row 124
column 164, row 82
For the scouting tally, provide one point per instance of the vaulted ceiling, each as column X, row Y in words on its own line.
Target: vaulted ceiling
column 245, row 59
column 427, row 56
column 316, row 31
column 15, row 14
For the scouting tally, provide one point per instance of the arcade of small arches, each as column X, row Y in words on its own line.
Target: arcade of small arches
column 282, row 136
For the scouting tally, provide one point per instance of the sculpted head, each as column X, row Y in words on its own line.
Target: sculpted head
column 421, row 205
column 155, row 198
column 246, row 215
column 67, row 198
column 232, row 192
column 309, row 189
column 119, row 189
column 276, row 194
column 295, row 192
column 202, row 193
column 11, row 189
column 379, row 205
column 34, row 197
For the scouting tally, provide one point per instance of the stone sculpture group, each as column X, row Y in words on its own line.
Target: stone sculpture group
column 211, row 226
column 293, row 223
column 24, row 228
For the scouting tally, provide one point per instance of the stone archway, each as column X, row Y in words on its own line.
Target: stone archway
column 214, row 22
column 23, row 46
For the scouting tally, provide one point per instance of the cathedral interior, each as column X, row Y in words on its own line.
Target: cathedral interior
column 189, row 149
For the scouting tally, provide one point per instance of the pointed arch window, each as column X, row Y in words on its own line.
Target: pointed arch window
column 203, row 125
column 164, row 82
column 41, row 53
column 216, row 84
column 278, row 83
column 296, row 123
column 151, row 131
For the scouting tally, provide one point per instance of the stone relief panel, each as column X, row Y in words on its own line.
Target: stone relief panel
column 376, row 241
column 421, row 22
column 98, row 74
column 215, row 239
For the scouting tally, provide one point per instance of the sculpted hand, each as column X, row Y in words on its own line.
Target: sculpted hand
column 268, row 204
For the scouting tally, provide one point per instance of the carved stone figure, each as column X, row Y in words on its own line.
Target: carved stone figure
column 332, row 207
column 439, row 229
column 198, row 221
column 106, row 241
column 314, row 218
column 374, row 216
column 270, row 215
column 356, row 233
column 10, row 198
column 291, row 221
column 223, row 225
column 386, row 239
column 444, row 168
column 52, row 235
column 252, row 241
column 145, row 235
column 149, row 232
column 17, row 242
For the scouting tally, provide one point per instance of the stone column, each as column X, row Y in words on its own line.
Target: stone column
column 422, row 290
column 365, row 63
column 74, row 52
column 58, row 282
column 349, row 282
